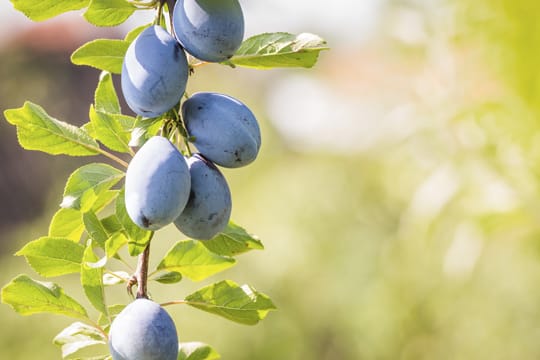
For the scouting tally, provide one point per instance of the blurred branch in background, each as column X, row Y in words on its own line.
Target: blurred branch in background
column 397, row 189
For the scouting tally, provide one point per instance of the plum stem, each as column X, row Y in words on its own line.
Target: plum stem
column 182, row 130
column 140, row 276
column 170, row 8
column 157, row 20
column 141, row 273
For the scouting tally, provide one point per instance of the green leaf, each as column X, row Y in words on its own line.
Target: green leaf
column 27, row 297
column 95, row 228
column 138, row 238
column 232, row 241
column 108, row 12
column 36, row 130
column 111, row 224
column 241, row 304
column 197, row 351
column 105, row 97
column 194, row 261
column 103, row 54
column 115, row 243
column 277, row 50
column 113, row 130
column 78, row 336
column 170, row 277
column 86, row 184
column 46, row 9
column 92, row 279
column 51, row 256
column 68, row 223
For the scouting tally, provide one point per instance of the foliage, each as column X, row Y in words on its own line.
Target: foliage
column 92, row 226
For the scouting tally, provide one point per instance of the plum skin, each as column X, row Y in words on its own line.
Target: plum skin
column 157, row 184
column 209, row 206
column 225, row 130
column 143, row 331
column 210, row 30
column 154, row 72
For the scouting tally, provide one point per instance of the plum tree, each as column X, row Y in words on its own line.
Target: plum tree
column 143, row 331
column 157, row 184
column 225, row 130
column 154, row 72
column 210, row 30
column 209, row 206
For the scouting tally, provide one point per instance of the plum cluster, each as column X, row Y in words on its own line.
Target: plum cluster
column 162, row 185
column 155, row 68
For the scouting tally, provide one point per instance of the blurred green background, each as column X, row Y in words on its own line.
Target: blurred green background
column 397, row 190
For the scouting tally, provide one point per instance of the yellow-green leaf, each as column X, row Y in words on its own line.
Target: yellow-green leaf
column 36, row 130
column 278, row 50
column 27, row 296
column 194, row 261
column 51, row 256
column 241, row 304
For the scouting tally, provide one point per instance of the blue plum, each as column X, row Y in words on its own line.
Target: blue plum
column 154, row 72
column 143, row 331
column 225, row 131
column 209, row 206
column 210, row 30
column 157, row 184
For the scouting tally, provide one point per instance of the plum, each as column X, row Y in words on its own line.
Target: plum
column 157, row 184
column 143, row 331
column 209, row 206
column 154, row 72
column 225, row 131
column 210, row 30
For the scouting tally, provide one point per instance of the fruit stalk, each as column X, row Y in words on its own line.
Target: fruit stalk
column 170, row 6
column 141, row 273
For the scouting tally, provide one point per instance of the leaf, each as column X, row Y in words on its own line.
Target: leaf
column 113, row 130
column 103, row 54
column 108, row 12
column 52, row 256
column 68, row 223
column 78, row 336
column 92, row 279
column 277, row 50
column 170, row 277
column 46, row 9
column 138, row 238
column 105, row 97
column 111, row 224
column 232, row 241
column 86, row 184
column 115, row 243
column 36, row 130
column 197, row 351
column 194, row 261
column 27, row 297
column 94, row 228
column 241, row 304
